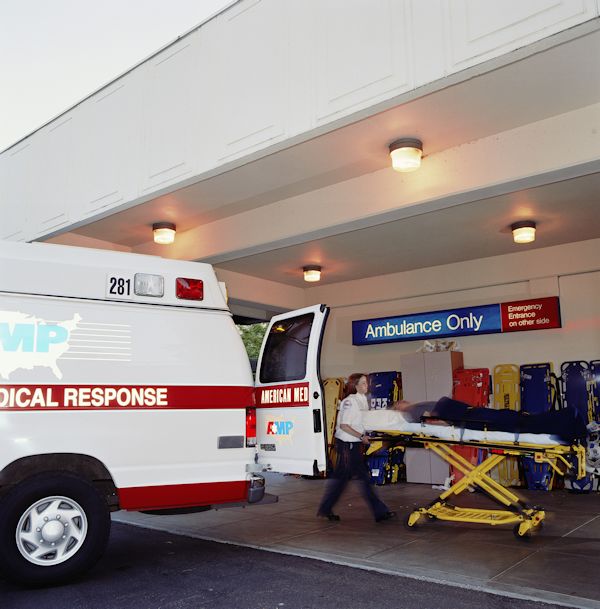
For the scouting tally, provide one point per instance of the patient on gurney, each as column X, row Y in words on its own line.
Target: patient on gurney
column 565, row 423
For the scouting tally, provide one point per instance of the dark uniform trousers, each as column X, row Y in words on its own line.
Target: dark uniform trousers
column 351, row 463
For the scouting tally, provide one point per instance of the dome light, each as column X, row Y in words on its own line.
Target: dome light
column 406, row 154
column 523, row 232
column 312, row 273
column 164, row 232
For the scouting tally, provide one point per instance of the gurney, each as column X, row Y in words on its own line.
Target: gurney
column 387, row 427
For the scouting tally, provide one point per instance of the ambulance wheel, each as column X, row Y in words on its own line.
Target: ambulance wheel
column 53, row 527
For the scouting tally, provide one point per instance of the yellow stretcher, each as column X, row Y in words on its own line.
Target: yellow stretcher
column 561, row 458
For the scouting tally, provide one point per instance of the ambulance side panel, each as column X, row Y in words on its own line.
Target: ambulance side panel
column 183, row 443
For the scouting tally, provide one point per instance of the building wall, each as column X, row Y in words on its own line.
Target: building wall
column 253, row 78
column 570, row 271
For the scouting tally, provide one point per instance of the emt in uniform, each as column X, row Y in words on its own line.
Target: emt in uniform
column 349, row 440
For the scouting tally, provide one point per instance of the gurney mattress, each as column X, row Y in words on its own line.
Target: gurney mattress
column 392, row 420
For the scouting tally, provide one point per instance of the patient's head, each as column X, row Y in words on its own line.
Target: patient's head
column 401, row 405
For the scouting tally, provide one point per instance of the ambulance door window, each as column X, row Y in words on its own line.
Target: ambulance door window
column 285, row 352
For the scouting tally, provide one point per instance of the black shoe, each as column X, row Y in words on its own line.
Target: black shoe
column 385, row 516
column 331, row 517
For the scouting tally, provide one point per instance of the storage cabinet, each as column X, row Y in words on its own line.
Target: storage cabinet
column 427, row 376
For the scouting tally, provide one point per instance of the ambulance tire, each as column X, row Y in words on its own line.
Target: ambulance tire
column 18, row 502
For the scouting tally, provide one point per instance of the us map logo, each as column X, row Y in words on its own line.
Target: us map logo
column 27, row 341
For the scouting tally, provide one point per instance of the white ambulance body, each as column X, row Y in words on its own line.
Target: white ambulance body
column 124, row 384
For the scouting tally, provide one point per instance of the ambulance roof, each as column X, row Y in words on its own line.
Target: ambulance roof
column 76, row 272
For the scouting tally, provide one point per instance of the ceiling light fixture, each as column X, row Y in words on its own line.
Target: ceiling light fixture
column 406, row 154
column 523, row 232
column 312, row 273
column 164, row 232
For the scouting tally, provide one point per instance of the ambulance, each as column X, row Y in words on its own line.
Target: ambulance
column 125, row 385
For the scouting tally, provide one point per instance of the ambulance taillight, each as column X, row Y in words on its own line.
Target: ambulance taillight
column 189, row 289
column 250, row 427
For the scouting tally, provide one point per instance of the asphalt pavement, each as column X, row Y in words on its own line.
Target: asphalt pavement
column 146, row 569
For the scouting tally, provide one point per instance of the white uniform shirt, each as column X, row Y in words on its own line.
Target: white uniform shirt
column 351, row 413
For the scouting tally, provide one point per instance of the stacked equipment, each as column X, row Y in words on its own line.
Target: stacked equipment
column 333, row 389
column 471, row 386
column 581, row 390
column 592, row 461
column 595, row 387
column 507, row 395
column 537, row 395
column 385, row 388
column 576, row 381
column 532, row 388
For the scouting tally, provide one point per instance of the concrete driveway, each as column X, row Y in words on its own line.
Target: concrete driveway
column 558, row 565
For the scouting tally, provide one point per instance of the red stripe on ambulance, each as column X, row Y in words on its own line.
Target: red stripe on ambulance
column 24, row 398
column 182, row 495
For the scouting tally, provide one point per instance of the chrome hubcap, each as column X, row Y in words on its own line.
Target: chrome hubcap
column 51, row 530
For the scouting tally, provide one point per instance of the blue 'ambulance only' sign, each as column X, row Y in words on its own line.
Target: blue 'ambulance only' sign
column 484, row 319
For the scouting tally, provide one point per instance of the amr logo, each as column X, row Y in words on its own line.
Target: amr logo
column 279, row 428
column 31, row 338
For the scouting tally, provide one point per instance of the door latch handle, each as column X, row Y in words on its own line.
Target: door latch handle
column 318, row 428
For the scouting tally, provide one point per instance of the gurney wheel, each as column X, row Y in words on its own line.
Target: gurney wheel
column 412, row 521
column 525, row 536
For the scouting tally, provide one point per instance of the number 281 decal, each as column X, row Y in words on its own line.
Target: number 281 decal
column 119, row 287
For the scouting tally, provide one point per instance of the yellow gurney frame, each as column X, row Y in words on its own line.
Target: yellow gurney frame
column 525, row 518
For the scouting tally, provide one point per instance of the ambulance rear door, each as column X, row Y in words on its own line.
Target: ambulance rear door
column 290, row 413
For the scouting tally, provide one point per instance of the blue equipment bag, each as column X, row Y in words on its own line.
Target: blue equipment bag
column 538, row 476
column 396, row 470
column 384, row 389
column 378, row 463
column 584, row 485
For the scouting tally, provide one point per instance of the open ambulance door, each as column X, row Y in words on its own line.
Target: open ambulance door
column 290, row 413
